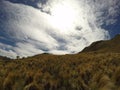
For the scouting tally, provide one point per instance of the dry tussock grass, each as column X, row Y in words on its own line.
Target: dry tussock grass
column 84, row 71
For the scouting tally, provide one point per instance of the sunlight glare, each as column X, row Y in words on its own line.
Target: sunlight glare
column 63, row 16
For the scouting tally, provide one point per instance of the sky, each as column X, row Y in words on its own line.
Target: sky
column 30, row 27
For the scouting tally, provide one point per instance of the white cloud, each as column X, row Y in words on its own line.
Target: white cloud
column 66, row 30
column 5, row 50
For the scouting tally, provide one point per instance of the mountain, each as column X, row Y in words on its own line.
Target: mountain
column 112, row 45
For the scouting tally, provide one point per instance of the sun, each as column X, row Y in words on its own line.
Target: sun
column 63, row 16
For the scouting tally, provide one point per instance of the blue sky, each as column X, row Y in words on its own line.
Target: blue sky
column 29, row 2
column 114, row 29
column 26, row 27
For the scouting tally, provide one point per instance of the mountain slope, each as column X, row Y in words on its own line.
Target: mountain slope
column 112, row 45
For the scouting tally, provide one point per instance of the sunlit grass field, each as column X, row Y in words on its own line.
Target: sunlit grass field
column 83, row 71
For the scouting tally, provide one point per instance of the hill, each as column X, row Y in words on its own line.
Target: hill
column 112, row 45
column 82, row 71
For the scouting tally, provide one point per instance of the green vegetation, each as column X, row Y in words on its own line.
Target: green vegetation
column 84, row 71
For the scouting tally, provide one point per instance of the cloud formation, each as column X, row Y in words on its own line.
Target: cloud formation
column 58, row 27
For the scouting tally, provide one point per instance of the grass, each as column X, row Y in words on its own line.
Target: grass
column 84, row 71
